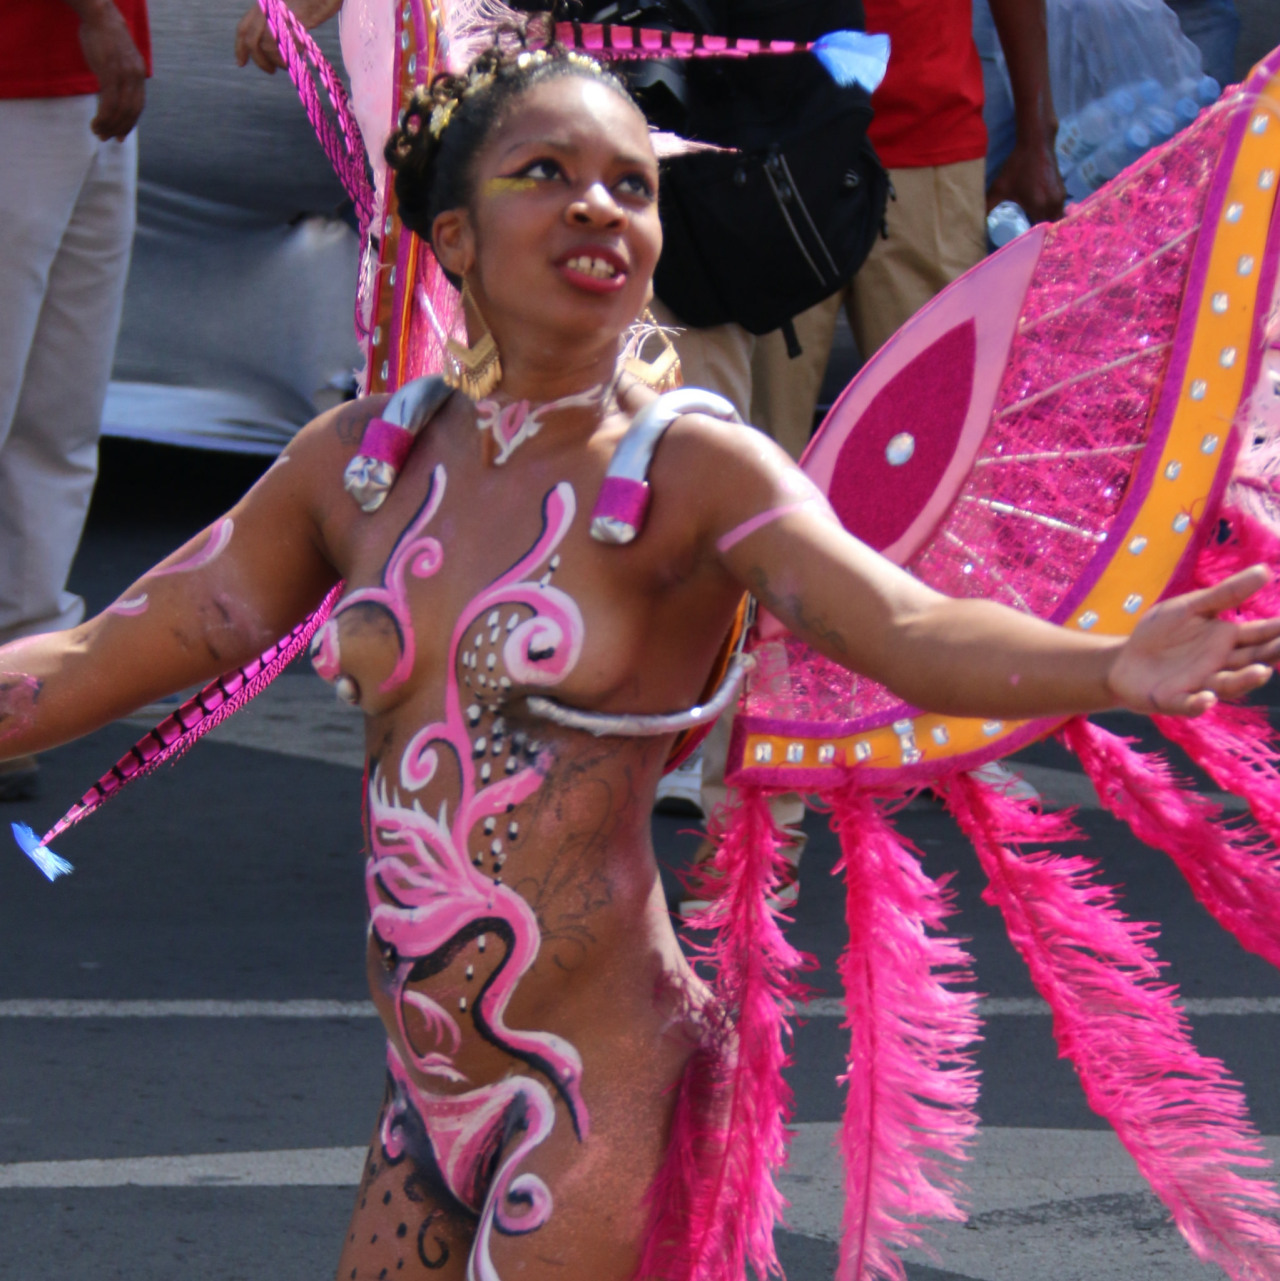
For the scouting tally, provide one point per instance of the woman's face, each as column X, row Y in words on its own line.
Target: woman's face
column 562, row 233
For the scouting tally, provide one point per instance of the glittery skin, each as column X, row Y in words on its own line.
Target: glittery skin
column 415, row 553
column 212, row 549
column 18, row 694
column 431, row 896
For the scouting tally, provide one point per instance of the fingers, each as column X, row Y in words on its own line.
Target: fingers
column 255, row 41
column 1239, row 683
column 119, row 105
column 1229, row 593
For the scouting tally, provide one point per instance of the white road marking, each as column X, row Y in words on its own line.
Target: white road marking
column 298, row 1167
column 36, row 1009
column 824, row 1007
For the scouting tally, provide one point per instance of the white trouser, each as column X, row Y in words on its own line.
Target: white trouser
column 67, row 206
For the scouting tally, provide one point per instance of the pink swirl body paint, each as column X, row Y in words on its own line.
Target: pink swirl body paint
column 429, row 894
column 213, row 548
column 130, row 607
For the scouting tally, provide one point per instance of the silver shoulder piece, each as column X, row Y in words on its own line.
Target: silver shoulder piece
column 619, row 513
column 387, row 440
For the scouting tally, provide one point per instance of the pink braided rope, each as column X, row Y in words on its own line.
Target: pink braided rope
column 335, row 127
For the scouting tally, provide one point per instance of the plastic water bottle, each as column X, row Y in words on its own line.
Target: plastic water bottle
column 1159, row 123
column 1107, row 161
column 1092, row 125
column 1006, row 222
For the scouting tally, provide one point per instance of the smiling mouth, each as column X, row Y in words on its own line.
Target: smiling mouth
column 597, row 268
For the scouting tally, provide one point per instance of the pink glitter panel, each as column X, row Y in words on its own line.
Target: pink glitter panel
column 1070, row 419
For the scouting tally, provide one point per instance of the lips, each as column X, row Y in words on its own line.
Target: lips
column 596, row 270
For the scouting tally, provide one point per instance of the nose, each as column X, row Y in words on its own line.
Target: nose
column 596, row 208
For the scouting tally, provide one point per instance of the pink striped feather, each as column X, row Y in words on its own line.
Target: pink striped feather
column 219, row 699
column 912, row 1085
column 1181, row 1116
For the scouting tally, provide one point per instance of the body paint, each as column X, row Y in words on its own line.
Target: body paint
column 511, row 425
column 739, row 532
column 218, row 540
column 430, row 895
column 504, row 186
column 130, row 607
column 415, row 553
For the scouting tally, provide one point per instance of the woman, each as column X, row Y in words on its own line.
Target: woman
column 539, row 1011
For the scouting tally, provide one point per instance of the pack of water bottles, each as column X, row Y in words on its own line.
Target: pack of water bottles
column 1125, row 79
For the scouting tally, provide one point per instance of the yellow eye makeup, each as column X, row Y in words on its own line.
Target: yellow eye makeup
column 503, row 186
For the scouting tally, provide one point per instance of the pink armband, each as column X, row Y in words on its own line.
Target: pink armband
column 619, row 513
column 386, row 442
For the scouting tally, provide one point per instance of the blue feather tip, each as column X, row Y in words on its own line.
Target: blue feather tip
column 853, row 58
column 43, row 857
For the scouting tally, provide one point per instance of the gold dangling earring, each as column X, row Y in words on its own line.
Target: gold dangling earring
column 663, row 372
column 475, row 370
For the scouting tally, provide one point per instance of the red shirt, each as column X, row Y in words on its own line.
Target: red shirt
column 40, row 47
column 929, row 105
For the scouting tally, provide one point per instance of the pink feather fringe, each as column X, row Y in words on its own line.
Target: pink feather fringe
column 1237, row 748
column 1232, row 873
column 1239, row 541
column 730, row 1217
column 195, row 718
column 909, row 1113
column 1181, row 1116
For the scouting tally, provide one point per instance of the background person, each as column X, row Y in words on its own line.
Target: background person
column 72, row 86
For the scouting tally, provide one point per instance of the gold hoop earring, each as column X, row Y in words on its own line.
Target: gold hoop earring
column 663, row 372
column 474, row 370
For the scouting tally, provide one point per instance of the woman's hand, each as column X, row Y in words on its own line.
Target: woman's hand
column 1183, row 657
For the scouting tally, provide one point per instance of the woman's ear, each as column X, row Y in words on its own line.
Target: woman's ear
column 453, row 240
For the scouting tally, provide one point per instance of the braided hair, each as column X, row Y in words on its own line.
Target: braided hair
column 447, row 123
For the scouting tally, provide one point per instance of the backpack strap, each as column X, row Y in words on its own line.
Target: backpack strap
column 387, row 440
column 620, row 510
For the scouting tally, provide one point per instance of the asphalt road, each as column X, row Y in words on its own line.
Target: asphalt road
column 188, row 1072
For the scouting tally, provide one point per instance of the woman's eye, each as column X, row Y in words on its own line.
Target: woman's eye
column 543, row 169
column 636, row 184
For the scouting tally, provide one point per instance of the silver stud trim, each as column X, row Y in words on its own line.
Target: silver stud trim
column 1227, row 357
column 1266, row 180
column 1173, row 470
column 861, row 751
column 992, row 728
column 1132, row 603
column 1234, row 212
column 764, row 753
column 826, row 753
column 1220, row 303
column 1199, row 389
column 940, row 735
column 1181, row 523
column 1137, row 545
column 795, row 753
column 1087, row 620
column 1245, row 265
column 1258, row 124
column 1209, row 444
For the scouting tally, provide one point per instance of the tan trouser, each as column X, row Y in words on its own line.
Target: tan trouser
column 719, row 359
column 936, row 233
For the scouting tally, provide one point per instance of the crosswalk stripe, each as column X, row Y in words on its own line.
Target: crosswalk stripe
column 298, row 1167
column 824, row 1007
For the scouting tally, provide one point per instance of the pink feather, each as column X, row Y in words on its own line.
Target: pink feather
column 1181, row 1116
column 754, row 982
column 1240, row 541
column 195, row 718
column 1230, row 871
column 909, row 1113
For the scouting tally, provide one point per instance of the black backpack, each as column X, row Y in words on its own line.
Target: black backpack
column 758, row 235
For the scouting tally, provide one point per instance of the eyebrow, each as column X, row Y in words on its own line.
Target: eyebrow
column 571, row 148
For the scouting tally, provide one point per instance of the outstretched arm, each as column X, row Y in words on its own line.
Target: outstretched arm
column 214, row 604
column 964, row 657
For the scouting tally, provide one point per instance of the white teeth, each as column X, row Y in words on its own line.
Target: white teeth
column 596, row 267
